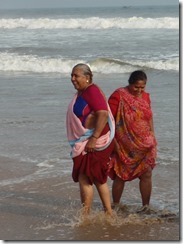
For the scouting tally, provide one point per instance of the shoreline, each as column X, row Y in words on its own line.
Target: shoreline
column 47, row 209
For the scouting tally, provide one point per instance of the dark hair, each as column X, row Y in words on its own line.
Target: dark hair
column 86, row 70
column 136, row 76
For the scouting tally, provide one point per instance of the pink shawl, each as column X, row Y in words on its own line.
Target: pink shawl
column 78, row 135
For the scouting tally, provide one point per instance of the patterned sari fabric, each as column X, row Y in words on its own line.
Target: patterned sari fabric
column 135, row 139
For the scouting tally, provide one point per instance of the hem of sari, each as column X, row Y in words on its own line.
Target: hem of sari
column 94, row 165
column 113, row 174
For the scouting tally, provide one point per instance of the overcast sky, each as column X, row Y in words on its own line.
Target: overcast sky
column 79, row 3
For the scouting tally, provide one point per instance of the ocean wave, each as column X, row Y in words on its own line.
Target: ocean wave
column 91, row 23
column 31, row 63
column 105, row 65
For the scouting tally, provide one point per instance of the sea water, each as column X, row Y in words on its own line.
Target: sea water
column 39, row 47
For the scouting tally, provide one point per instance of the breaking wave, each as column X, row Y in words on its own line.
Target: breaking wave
column 91, row 23
column 32, row 63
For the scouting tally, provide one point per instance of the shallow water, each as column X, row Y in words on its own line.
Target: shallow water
column 33, row 110
column 47, row 207
column 35, row 164
column 126, row 224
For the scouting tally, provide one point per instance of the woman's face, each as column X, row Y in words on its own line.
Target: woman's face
column 79, row 80
column 137, row 88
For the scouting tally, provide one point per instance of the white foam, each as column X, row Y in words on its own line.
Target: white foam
column 44, row 169
column 91, row 23
column 31, row 63
column 170, row 64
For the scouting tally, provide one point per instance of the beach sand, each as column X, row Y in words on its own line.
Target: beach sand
column 47, row 209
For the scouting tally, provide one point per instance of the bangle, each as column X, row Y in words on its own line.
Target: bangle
column 94, row 137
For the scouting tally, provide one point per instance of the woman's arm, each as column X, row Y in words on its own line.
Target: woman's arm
column 113, row 101
column 100, row 120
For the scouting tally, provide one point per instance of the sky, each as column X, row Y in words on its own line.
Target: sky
column 13, row 4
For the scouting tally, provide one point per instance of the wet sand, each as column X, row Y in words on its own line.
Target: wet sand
column 47, row 209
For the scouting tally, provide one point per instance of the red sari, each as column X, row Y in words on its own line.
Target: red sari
column 95, row 165
column 133, row 134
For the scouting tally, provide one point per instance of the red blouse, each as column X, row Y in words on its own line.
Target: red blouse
column 91, row 100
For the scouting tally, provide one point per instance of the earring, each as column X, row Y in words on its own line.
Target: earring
column 87, row 81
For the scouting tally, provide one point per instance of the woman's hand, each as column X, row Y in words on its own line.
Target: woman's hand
column 90, row 146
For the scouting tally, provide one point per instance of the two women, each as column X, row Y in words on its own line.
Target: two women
column 90, row 131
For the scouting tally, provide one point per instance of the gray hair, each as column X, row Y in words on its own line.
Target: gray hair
column 85, row 69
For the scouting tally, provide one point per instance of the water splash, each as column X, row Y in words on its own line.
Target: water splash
column 122, row 215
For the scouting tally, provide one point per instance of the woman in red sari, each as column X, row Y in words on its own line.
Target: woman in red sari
column 135, row 142
column 90, row 131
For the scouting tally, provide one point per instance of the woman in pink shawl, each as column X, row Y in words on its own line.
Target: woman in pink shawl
column 90, row 131
column 135, row 142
